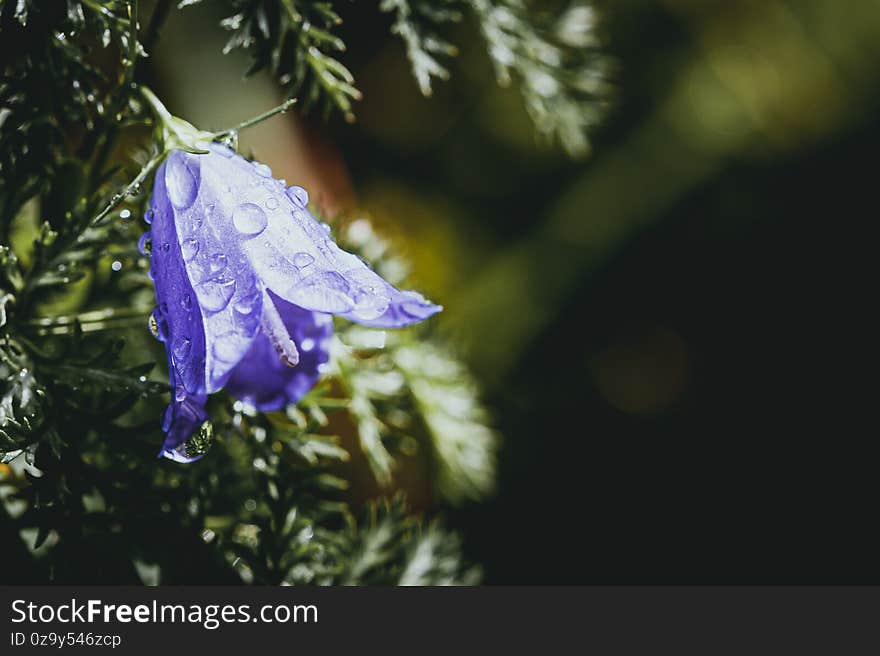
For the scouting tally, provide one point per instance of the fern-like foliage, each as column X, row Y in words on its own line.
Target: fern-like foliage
column 294, row 39
column 416, row 21
column 554, row 58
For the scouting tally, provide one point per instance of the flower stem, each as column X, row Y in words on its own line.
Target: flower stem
column 132, row 42
column 283, row 107
column 131, row 189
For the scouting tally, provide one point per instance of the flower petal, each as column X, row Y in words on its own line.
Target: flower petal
column 296, row 257
column 226, row 293
column 262, row 380
column 178, row 324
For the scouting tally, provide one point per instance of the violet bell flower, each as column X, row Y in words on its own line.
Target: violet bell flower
column 246, row 280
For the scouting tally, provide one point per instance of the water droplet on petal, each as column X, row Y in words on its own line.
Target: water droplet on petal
column 181, row 348
column 157, row 325
column 326, row 227
column 302, row 260
column 229, row 141
column 370, row 305
column 195, row 447
column 180, row 393
column 272, row 203
column 217, row 262
column 186, row 302
column 249, row 219
column 246, row 304
column 214, row 294
column 145, row 244
column 166, row 247
column 298, row 195
column 189, row 248
column 326, row 291
column 262, row 169
column 182, row 177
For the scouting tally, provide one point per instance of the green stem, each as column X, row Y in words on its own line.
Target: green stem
column 130, row 189
column 160, row 13
column 132, row 42
column 283, row 107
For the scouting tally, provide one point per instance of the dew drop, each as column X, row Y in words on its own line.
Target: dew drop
column 214, row 294
column 301, row 260
column 180, row 393
column 157, row 325
column 217, row 262
column 195, row 447
column 246, row 305
column 262, row 169
column 249, row 219
column 125, row 214
column 144, row 244
column 182, row 177
column 229, row 141
column 189, row 248
column 298, row 195
column 116, row 266
column 166, row 247
column 368, row 304
column 181, row 348
column 272, row 203
column 326, row 227
column 326, row 291
column 186, row 302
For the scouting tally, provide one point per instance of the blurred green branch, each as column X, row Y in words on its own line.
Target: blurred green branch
column 724, row 102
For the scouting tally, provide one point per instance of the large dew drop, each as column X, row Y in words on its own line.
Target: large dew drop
column 249, row 219
column 195, row 447
column 370, row 304
column 182, row 177
column 214, row 294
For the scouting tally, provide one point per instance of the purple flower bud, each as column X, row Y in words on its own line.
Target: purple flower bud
column 245, row 280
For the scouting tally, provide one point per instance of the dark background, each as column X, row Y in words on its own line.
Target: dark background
column 667, row 330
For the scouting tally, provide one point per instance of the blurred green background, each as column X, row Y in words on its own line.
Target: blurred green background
column 663, row 329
